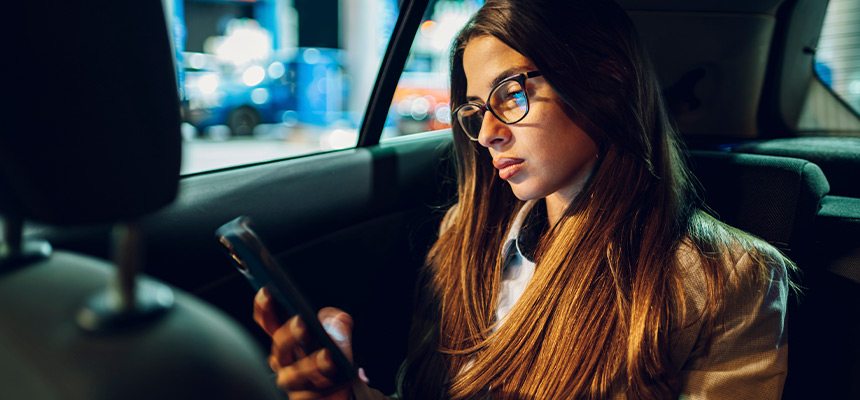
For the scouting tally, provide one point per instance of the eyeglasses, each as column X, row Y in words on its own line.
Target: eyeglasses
column 508, row 101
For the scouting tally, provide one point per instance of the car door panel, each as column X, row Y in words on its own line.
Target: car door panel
column 353, row 227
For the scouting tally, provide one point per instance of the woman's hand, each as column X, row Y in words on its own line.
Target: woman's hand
column 301, row 375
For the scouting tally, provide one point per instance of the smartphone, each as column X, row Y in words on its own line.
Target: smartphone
column 256, row 263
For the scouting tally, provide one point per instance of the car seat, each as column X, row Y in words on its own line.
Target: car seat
column 784, row 201
column 774, row 198
column 94, row 138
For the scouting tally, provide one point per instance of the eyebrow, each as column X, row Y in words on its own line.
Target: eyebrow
column 500, row 77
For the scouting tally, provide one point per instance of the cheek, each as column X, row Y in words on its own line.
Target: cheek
column 577, row 144
column 567, row 139
column 571, row 154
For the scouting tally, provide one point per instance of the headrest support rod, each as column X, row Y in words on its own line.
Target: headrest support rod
column 10, row 247
column 128, row 242
column 127, row 301
column 15, row 251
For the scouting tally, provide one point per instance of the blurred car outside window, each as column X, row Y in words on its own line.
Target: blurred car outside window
column 421, row 100
column 269, row 79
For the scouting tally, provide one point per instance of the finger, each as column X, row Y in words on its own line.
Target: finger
column 264, row 312
column 363, row 376
column 273, row 362
column 277, row 360
column 338, row 325
column 287, row 341
column 308, row 374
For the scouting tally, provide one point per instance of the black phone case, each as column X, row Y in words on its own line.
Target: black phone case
column 255, row 262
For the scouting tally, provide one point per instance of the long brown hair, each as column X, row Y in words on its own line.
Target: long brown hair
column 608, row 288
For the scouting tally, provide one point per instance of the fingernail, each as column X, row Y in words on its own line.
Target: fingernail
column 324, row 363
column 294, row 327
column 363, row 376
column 336, row 329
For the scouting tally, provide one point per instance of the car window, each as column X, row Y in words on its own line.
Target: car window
column 837, row 57
column 268, row 79
column 421, row 100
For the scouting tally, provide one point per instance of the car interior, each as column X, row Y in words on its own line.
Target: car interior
column 93, row 204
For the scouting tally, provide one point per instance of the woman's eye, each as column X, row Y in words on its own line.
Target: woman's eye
column 512, row 97
column 517, row 98
column 514, row 94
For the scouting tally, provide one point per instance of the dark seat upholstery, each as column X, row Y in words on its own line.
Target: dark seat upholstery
column 838, row 157
column 191, row 351
column 774, row 198
column 828, row 316
column 784, row 200
column 95, row 138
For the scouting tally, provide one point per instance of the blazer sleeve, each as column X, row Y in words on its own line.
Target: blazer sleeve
column 748, row 356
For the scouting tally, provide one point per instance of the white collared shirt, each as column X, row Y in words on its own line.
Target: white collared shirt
column 518, row 269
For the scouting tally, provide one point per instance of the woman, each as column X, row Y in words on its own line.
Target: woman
column 577, row 262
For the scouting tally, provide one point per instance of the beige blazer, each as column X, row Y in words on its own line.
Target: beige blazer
column 748, row 358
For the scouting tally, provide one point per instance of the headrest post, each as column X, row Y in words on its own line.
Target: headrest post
column 11, row 246
column 127, row 301
column 127, row 242
column 15, row 251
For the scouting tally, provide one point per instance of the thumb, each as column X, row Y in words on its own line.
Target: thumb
column 339, row 328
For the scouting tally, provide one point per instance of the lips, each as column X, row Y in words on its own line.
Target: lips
column 508, row 167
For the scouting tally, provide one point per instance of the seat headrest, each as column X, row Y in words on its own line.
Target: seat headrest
column 774, row 198
column 838, row 157
column 94, row 131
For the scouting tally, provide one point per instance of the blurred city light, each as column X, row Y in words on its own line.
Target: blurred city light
column 260, row 95
column 244, row 42
column 420, row 106
column 427, row 27
column 311, row 56
column 208, row 83
column 253, row 75
column 404, row 106
column 276, row 70
column 290, row 118
column 443, row 113
column 339, row 139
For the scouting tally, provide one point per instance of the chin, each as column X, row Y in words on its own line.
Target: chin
column 526, row 193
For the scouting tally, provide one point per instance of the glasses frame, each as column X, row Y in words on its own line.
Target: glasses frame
column 483, row 108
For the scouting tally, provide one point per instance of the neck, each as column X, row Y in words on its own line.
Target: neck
column 555, row 206
column 557, row 202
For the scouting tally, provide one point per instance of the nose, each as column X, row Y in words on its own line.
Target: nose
column 493, row 132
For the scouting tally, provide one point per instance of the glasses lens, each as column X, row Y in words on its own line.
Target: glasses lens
column 471, row 117
column 509, row 102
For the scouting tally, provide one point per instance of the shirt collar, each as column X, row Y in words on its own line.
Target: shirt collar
column 528, row 226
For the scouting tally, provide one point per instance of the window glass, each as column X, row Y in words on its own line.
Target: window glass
column 421, row 101
column 837, row 59
column 268, row 79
